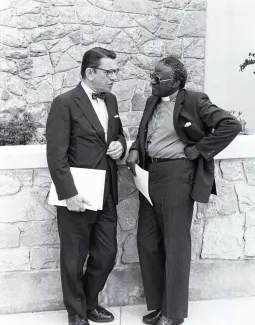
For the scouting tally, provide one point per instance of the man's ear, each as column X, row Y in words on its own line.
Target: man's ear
column 89, row 72
column 176, row 84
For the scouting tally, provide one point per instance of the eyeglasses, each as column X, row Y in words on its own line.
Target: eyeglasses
column 156, row 80
column 109, row 73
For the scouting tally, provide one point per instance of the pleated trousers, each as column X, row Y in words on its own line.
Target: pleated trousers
column 164, row 239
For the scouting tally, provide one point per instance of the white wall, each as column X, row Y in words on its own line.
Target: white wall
column 230, row 37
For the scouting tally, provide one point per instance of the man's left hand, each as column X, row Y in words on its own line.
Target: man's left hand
column 115, row 150
column 191, row 152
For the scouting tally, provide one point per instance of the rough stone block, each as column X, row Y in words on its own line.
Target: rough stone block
column 194, row 48
column 197, row 5
column 167, row 30
column 39, row 233
column 15, row 85
column 9, row 235
column 222, row 280
column 128, row 213
column 250, row 219
column 249, row 169
column 13, row 37
column 224, row 204
column 67, row 15
column 170, row 15
column 41, row 66
column 250, row 242
column 126, row 185
column 106, row 34
column 28, row 7
column 176, row 4
column 138, row 102
column 72, row 78
column 9, row 183
column 130, row 253
column 143, row 7
column 153, row 48
column 131, row 118
column 8, row 66
column 124, row 90
column 120, row 20
column 193, row 25
column 25, row 206
column 144, row 62
column 151, row 24
column 195, row 69
column 90, row 14
column 42, row 177
column 246, row 197
column 173, row 47
column 223, row 238
column 15, row 259
column 133, row 132
column 30, row 292
column 196, row 240
column 124, row 43
column 45, row 93
column 123, row 287
column 44, row 258
column 140, row 35
column 232, row 170
column 66, row 62
column 130, row 71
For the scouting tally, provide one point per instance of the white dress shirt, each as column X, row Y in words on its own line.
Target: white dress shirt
column 99, row 107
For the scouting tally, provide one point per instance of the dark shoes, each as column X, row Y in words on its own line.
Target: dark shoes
column 162, row 320
column 151, row 317
column 100, row 315
column 77, row 320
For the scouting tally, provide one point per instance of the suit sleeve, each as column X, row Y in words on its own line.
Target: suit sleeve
column 226, row 128
column 58, row 129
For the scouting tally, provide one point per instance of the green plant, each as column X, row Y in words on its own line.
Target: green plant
column 249, row 61
column 19, row 130
column 237, row 114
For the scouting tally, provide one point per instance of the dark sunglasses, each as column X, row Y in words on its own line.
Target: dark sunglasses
column 156, row 80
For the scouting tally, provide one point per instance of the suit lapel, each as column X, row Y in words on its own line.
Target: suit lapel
column 109, row 105
column 151, row 104
column 177, row 109
column 85, row 105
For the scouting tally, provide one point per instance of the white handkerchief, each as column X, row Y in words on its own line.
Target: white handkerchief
column 116, row 116
column 187, row 124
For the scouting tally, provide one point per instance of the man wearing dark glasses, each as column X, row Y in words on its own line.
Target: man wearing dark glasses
column 84, row 130
column 179, row 134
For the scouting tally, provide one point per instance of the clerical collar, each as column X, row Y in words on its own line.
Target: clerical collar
column 171, row 97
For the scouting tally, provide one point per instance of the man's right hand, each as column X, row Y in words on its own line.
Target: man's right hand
column 132, row 159
column 76, row 203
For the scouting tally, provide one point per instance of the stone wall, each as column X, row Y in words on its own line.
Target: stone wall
column 223, row 241
column 42, row 43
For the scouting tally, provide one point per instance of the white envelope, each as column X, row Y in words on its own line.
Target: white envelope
column 89, row 183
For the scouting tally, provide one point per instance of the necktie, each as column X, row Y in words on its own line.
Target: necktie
column 98, row 95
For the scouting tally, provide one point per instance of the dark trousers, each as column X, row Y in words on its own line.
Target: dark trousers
column 82, row 234
column 164, row 241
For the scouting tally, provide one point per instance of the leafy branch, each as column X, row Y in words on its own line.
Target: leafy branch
column 249, row 61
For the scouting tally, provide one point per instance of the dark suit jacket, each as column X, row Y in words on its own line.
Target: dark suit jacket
column 211, row 130
column 76, row 138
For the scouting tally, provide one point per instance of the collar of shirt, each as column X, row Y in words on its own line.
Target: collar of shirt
column 87, row 90
column 171, row 97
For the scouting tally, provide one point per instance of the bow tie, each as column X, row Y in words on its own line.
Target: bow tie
column 98, row 95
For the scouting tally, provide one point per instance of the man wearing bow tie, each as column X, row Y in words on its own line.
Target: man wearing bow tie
column 179, row 134
column 84, row 130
